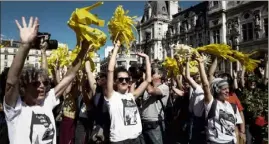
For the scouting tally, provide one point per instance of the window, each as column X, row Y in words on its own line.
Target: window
column 27, row 58
column 191, row 40
column 15, row 50
column 5, row 64
column 216, row 36
column 36, row 65
column 246, row 16
column 266, row 27
column 247, row 31
column 163, row 8
column 215, row 3
column 6, row 57
column 36, row 52
column 6, row 51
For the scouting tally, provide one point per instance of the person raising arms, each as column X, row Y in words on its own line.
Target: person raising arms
column 125, row 119
column 27, row 104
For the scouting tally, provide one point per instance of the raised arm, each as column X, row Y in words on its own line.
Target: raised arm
column 71, row 73
column 243, row 77
column 111, row 67
column 188, row 76
column 27, row 35
column 142, row 87
column 43, row 48
column 204, row 80
column 212, row 69
column 91, row 79
column 235, row 83
column 179, row 81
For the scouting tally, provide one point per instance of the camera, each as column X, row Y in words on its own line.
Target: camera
column 52, row 44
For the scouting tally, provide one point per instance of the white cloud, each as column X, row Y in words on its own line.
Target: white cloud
column 139, row 18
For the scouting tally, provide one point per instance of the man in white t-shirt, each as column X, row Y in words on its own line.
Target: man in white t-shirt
column 27, row 105
column 124, row 115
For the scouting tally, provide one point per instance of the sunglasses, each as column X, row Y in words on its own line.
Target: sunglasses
column 38, row 83
column 121, row 79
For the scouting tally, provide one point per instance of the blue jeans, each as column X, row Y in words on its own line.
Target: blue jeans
column 154, row 135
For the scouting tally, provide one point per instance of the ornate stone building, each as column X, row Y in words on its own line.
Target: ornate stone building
column 241, row 24
column 154, row 24
column 189, row 26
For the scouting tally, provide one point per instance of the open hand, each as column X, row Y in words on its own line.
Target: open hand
column 198, row 57
column 117, row 43
column 142, row 54
column 28, row 33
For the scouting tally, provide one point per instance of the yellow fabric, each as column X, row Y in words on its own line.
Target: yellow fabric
column 220, row 50
column 79, row 21
column 170, row 65
column 121, row 27
column 244, row 59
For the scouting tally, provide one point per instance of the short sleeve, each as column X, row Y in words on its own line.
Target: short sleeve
column 112, row 98
column 208, row 106
column 164, row 90
column 51, row 99
column 12, row 112
column 238, row 117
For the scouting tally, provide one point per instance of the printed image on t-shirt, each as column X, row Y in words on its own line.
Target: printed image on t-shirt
column 227, row 121
column 42, row 121
column 129, row 112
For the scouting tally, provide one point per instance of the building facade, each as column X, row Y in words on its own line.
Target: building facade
column 151, row 30
column 241, row 24
column 8, row 52
column 124, row 59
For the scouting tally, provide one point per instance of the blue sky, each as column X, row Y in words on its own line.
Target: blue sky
column 53, row 16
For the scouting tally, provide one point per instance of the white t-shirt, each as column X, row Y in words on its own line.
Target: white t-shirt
column 196, row 103
column 124, row 116
column 221, row 128
column 32, row 124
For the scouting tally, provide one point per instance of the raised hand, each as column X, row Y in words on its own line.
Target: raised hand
column 28, row 33
column 198, row 57
column 142, row 54
column 117, row 43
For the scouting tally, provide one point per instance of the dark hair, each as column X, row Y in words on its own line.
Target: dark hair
column 29, row 75
column 102, row 75
column 135, row 72
column 119, row 70
column 3, row 80
column 230, row 80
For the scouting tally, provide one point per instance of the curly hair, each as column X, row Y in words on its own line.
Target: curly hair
column 30, row 75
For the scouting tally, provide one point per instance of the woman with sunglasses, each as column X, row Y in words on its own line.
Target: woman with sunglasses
column 125, row 119
column 27, row 103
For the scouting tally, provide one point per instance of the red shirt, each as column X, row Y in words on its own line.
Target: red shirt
column 234, row 100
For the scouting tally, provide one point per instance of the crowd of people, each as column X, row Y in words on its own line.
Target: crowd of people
column 135, row 106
